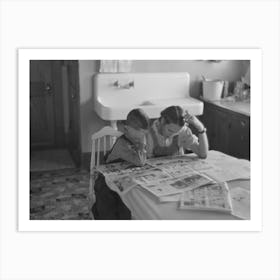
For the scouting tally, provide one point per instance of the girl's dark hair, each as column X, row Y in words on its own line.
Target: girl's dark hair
column 173, row 114
column 138, row 119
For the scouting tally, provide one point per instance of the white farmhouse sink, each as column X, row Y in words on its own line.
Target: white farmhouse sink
column 117, row 93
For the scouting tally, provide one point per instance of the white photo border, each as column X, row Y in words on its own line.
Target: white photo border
column 24, row 57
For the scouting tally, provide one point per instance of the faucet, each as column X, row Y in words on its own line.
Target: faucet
column 131, row 84
column 123, row 86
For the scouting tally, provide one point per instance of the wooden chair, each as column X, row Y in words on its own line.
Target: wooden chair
column 104, row 138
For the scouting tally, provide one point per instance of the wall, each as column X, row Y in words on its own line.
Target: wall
column 90, row 122
column 226, row 70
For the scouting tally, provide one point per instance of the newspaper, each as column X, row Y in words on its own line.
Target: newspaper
column 218, row 166
column 161, row 177
column 240, row 202
column 177, row 185
column 214, row 197
column 167, row 176
column 221, row 167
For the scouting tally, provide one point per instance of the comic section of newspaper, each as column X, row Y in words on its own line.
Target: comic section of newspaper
column 120, row 176
column 214, row 197
column 191, row 181
column 161, row 177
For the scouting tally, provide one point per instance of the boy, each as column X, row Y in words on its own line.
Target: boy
column 128, row 147
column 131, row 146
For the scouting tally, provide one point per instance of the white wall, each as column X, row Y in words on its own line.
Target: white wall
column 226, row 70
column 90, row 122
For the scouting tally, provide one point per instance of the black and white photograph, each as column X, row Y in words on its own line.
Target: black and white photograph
column 148, row 121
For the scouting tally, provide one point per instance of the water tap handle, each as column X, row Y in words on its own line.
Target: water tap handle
column 131, row 84
column 116, row 84
column 123, row 86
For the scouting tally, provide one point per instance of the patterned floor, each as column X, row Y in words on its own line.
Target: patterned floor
column 59, row 195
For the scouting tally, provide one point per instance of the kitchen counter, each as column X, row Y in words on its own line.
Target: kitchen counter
column 242, row 107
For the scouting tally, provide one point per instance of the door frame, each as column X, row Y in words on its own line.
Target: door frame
column 73, row 136
column 58, row 103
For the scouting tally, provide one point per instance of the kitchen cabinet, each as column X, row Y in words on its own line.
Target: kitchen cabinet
column 228, row 131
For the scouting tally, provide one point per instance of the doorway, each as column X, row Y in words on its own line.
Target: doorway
column 54, row 113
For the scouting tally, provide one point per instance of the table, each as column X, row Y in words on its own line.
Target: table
column 145, row 206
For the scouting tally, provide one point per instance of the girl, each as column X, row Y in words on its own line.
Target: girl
column 171, row 135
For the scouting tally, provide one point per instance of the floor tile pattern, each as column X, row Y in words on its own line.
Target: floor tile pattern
column 59, row 195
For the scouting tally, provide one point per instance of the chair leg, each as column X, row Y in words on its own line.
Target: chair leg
column 91, row 197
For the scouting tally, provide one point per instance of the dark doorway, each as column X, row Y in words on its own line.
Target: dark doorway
column 54, row 108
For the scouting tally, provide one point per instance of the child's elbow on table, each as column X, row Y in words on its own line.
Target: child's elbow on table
column 135, row 156
column 142, row 158
column 138, row 162
column 203, row 155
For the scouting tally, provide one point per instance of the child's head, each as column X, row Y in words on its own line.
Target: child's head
column 172, row 119
column 137, row 124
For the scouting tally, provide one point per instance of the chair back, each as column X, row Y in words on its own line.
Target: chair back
column 104, row 139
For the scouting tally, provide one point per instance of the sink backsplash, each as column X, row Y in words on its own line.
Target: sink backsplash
column 137, row 88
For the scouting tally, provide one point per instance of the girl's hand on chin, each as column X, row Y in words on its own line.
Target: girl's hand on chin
column 194, row 121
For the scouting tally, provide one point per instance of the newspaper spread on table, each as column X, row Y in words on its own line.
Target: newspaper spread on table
column 213, row 197
column 240, row 202
column 159, row 178
column 169, row 177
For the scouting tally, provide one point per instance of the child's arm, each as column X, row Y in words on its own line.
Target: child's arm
column 142, row 153
column 134, row 155
column 128, row 152
column 199, row 147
